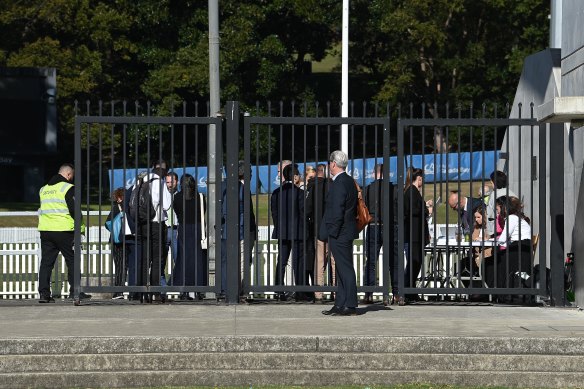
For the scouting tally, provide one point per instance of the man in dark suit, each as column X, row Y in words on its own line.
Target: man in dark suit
column 339, row 228
column 465, row 206
column 374, row 199
column 287, row 204
column 317, row 249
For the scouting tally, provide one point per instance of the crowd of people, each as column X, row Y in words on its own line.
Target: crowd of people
column 313, row 218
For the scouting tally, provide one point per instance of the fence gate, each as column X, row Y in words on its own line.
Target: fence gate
column 306, row 142
column 452, row 263
column 110, row 152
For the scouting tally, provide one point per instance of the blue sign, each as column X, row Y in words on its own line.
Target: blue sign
column 264, row 179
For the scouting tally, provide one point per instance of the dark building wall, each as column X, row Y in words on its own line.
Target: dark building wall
column 573, row 85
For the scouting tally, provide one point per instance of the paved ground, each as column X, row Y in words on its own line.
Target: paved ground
column 121, row 318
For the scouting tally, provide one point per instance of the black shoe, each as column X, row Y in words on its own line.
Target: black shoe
column 159, row 298
column 84, row 296
column 46, row 300
column 332, row 311
column 185, row 297
column 478, row 298
column 145, row 298
column 282, row 297
column 346, row 311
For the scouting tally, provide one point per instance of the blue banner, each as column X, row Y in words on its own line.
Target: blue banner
column 464, row 167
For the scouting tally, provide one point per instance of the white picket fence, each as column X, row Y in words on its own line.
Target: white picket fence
column 20, row 264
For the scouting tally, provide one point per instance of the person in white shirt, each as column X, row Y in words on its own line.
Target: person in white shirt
column 514, row 257
column 152, row 234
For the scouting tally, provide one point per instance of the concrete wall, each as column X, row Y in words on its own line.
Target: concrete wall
column 539, row 82
column 573, row 85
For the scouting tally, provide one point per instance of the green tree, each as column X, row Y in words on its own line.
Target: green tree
column 445, row 50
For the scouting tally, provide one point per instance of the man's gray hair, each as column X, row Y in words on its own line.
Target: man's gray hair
column 340, row 158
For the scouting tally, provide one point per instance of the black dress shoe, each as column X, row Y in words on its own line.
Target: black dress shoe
column 84, row 296
column 332, row 311
column 346, row 311
column 46, row 300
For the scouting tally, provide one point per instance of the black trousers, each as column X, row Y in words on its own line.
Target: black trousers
column 342, row 251
column 120, row 264
column 286, row 246
column 152, row 238
column 53, row 242
column 373, row 244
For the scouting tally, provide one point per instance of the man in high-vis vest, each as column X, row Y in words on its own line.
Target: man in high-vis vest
column 56, row 227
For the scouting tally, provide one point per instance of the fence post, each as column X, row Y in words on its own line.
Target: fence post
column 232, row 222
column 557, row 215
column 77, row 242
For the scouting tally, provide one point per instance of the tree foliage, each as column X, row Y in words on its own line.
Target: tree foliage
column 446, row 50
column 401, row 50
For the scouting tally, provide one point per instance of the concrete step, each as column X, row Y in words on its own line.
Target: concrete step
column 317, row 377
column 286, row 361
column 323, row 344
column 290, row 360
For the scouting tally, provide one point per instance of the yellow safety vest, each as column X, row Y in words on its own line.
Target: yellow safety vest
column 54, row 213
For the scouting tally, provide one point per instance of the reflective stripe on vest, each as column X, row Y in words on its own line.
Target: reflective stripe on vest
column 53, row 212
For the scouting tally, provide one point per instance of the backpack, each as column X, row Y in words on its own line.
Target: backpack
column 140, row 207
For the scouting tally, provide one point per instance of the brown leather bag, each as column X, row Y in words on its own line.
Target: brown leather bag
column 363, row 216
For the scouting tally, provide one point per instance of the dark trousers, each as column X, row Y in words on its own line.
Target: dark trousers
column 285, row 247
column 53, row 242
column 310, row 260
column 120, row 264
column 191, row 262
column 415, row 254
column 373, row 244
column 152, row 238
column 516, row 258
column 134, row 260
column 342, row 251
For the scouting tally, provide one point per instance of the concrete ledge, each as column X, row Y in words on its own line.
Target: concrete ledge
column 288, row 361
column 321, row 344
column 288, row 377
column 562, row 110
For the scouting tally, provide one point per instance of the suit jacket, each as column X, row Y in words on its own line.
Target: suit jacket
column 287, row 205
column 416, row 217
column 339, row 219
column 315, row 202
column 467, row 218
column 242, row 209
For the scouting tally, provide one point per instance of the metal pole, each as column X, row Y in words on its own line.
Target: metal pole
column 556, row 24
column 214, row 109
column 345, row 78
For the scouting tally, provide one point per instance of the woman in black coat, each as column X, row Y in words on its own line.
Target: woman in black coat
column 190, row 267
column 416, row 233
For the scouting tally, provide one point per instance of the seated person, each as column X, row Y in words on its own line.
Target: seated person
column 482, row 255
column 516, row 240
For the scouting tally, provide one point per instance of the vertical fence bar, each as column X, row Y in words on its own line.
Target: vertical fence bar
column 232, row 234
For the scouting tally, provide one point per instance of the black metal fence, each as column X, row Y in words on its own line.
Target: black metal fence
column 408, row 250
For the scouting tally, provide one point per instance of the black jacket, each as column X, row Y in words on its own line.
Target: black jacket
column 415, row 217
column 315, row 202
column 287, row 205
column 339, row 219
